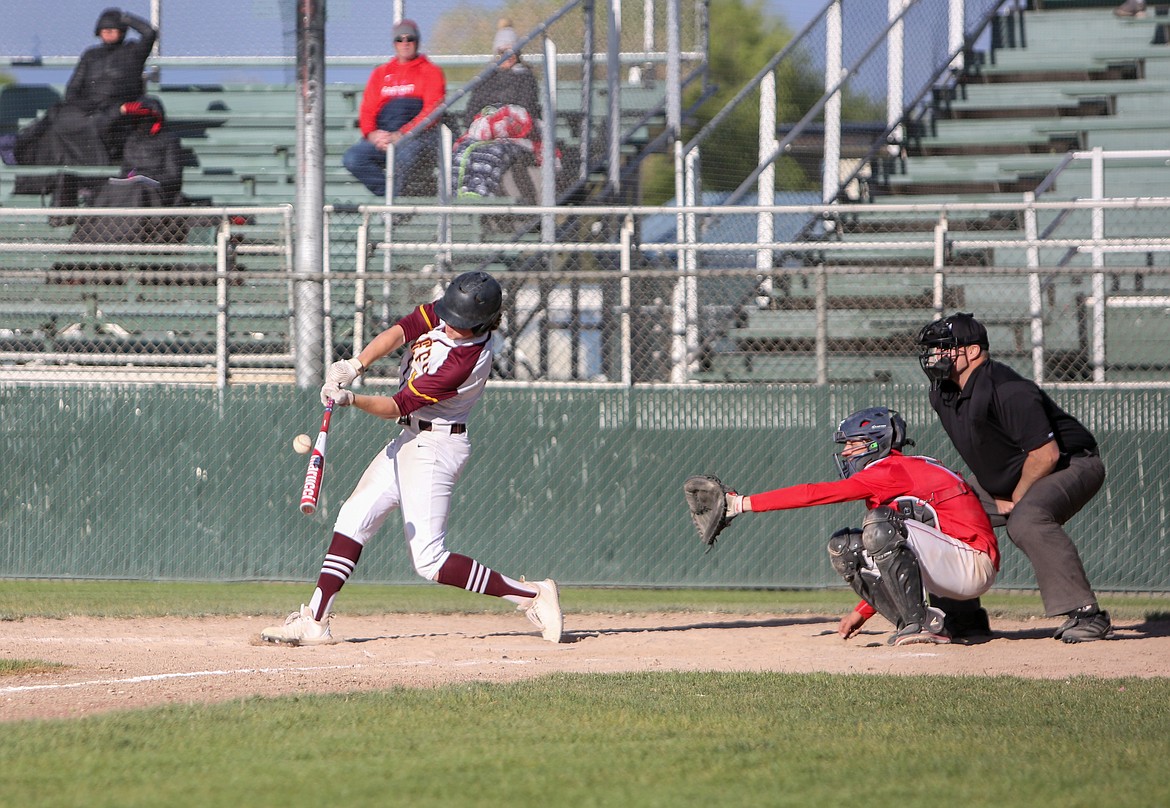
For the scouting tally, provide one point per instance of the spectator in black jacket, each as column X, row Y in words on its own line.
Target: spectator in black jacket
column 88, row 126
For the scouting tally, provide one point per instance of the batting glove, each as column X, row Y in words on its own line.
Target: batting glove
column 340, row 374
column 734, row 504
column 343, row 398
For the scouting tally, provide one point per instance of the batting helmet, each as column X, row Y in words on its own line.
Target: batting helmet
column 941, row 335
column 472, row 302
column 882, row 429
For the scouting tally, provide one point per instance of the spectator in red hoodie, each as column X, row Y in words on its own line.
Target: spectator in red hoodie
column 398, row 97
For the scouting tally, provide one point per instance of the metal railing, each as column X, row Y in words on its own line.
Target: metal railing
column 597, row 308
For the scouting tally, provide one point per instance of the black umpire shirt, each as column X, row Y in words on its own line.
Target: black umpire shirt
column 998, row 418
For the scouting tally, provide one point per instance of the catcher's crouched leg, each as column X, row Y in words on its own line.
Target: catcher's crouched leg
column 884, row 538
column 848, row 557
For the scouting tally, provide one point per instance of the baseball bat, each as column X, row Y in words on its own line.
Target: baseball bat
column 315, row 473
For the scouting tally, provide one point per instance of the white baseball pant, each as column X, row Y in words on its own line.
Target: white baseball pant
column 416, row 472
column 950, row 568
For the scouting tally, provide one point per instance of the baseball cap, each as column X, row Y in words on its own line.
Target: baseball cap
column 966, row 330
column 405, row 27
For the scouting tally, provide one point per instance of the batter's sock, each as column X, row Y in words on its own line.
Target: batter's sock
column 467, row 573
column 338, row 565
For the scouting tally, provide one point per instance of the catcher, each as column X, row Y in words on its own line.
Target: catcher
column 925, row 530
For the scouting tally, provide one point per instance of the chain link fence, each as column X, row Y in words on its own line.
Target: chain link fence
column 579, row 482
column 582, row 441
column 594, row 294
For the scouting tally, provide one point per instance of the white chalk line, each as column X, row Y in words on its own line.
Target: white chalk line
column 159, row 677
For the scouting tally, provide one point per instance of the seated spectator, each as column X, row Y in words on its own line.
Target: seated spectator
column 151, row 177
column 398, row 97
column 500, row 151
column 88, row 126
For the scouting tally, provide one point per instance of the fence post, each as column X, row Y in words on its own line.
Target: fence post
column 627, row 237
column 1098, row 218
column 222, row 238
column 956, row 13
column 895, row 65
column 940, row 261
column 310, row 189
column 766, row 187
column 359, row 286
column 1035, row 297
column 831, row 170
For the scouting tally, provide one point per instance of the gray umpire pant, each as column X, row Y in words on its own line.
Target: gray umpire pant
column 1036, row 526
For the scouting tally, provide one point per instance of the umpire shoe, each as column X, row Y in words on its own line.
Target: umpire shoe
column 300, row 629
column 1085, row 625
column 544, row 610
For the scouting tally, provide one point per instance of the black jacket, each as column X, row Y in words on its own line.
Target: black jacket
column 110, row 75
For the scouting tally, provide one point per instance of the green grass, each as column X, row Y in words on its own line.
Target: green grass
column 21, row 667
column 669, row 739
column 61, row 599
column 676, row 739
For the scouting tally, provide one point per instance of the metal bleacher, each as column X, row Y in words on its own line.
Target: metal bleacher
column 243, row 156
column 1085, row 79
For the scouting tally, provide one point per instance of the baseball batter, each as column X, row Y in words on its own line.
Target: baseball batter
column 441, row 378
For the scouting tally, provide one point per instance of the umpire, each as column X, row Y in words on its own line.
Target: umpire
column 1035, row 466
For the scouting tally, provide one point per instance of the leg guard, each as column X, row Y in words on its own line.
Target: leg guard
column 847, row 554
column 884, row 537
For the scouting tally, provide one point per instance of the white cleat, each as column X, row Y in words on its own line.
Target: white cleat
column 544, row 610
column 300, row 629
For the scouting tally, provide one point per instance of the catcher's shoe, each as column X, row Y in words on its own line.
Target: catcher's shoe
column 300, row 629
column 916, row 633
column 544, row 610
column 1085, row 625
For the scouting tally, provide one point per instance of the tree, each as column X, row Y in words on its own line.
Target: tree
column 743, row 38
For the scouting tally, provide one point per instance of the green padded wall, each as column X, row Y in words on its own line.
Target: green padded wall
column 580, row 484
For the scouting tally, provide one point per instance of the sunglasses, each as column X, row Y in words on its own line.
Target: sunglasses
column 406, row 39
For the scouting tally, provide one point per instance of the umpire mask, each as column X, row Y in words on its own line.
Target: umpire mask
column 938, row 338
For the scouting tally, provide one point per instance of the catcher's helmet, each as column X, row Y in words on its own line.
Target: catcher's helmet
column 882, row 429
column 473, row 302
column 951, row 332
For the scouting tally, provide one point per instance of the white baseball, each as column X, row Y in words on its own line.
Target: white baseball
column 302, row 443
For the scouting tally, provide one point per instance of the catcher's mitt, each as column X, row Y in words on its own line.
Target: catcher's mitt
column 707, row 500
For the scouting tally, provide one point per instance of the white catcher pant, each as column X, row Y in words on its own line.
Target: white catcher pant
column 950, row 568
column 417, row 472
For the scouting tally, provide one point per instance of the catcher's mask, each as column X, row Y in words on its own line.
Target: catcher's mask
column 941, row 336
column 882, row 429
column 472, row 302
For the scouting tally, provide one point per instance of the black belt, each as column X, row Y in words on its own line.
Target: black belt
column 425, row 426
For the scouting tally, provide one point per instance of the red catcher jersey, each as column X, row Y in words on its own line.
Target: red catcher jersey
column 960, row 513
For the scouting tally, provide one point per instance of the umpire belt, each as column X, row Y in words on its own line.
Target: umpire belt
column 428, row 426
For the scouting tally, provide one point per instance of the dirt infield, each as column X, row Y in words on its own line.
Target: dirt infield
column 134, row 663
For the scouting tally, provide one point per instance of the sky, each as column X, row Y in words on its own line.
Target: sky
column 231, row 27
column 63, row 27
